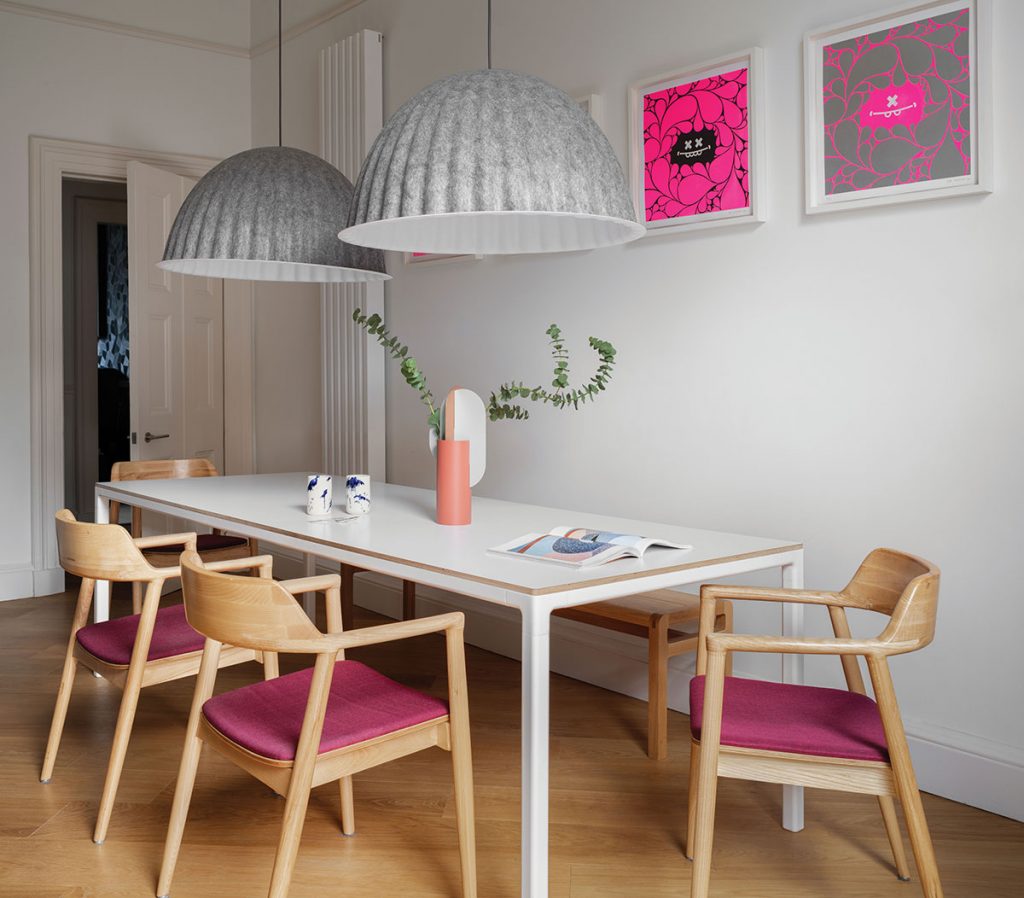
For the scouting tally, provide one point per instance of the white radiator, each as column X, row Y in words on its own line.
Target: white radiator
column 351, row 115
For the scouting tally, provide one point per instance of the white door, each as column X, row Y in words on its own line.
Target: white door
column 176, row 332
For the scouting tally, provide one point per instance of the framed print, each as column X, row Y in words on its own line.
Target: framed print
column 420, row 258
column 897, row 107
column 593, row 105
column 696, row 145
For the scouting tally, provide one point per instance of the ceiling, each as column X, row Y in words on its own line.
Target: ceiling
column 233, row 24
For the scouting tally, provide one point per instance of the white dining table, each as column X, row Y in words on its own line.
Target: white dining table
column 400, row 538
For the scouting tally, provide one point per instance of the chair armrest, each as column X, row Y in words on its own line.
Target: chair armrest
column 407, row 629
column 770, row 594
column 265, row 563
column 312, row 584
column 167, row 539
column 799, row 645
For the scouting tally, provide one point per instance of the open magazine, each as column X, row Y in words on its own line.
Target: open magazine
column 582, row 547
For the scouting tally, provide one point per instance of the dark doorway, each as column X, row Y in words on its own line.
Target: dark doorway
column 96, row 359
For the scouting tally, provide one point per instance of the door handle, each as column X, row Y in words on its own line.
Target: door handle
column 155, row 436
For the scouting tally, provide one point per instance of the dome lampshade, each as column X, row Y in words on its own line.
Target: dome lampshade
column 491, row 162
column 269, row 214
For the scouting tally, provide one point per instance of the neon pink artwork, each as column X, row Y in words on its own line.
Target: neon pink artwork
column 696, row 146
column 897, row 105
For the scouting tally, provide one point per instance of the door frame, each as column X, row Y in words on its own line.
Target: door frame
column 50, row 161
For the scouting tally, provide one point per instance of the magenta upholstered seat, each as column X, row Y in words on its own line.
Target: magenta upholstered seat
column 806, row 720
column 112, row 641
column 266, row 718
column 205, row 542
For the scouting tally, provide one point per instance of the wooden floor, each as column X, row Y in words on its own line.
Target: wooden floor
column 618, row 819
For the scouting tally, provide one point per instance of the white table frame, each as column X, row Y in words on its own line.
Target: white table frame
column 536, row 628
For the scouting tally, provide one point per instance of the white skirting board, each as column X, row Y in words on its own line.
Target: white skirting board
column 22, row 582
column 954, row 765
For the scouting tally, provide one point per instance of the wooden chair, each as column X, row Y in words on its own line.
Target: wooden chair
column 215, row 546
column 660, row 617
column 132, row 652
column 809, row 736
column 328, row 722
column 348, row 573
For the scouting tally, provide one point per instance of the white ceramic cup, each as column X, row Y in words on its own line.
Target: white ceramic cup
column 319, row 493
column 357, row 493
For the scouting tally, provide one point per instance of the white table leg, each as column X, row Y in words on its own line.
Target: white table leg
column 309, row 598
column 535, row 722
column 793, row 672
column 101, row 595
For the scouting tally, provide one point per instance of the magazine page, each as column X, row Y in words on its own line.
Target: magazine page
column 566, row 550
column 639, row 544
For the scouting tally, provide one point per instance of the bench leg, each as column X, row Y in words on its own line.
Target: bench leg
column 657, row 689
column 408, row 600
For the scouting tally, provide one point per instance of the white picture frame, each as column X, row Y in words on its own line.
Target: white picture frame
column 429, row 258
column 755, row 211
column 978, row 180
column 593, row 105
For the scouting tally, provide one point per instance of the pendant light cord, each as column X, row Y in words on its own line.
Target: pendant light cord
column 488, row 34
column 280, row 43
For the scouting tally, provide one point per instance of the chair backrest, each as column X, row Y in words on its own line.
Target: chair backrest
column 902, row 586
column 98, row 551
column 157, row 469
column 163, row 469
column 250, row 612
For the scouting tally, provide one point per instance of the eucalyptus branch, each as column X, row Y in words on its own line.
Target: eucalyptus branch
column 374, row 326
column 503, row 403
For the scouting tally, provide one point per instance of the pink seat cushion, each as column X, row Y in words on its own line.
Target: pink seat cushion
column 266, row 718
column 205, row 542
column 804, row 720
column 113, row 640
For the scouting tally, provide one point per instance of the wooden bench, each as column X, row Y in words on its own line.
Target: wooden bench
column 668, row 620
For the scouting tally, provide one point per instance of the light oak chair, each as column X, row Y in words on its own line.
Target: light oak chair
column 806, row 735
column 131, row 652
column 215, row 546
column 320, row 724
column 667, row 619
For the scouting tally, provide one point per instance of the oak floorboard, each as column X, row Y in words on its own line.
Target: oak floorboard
column 617, row 818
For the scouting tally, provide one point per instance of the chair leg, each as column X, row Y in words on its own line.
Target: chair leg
column 301, row 779
column 707, row 778
column 136, row 597
column 691, row 798
column 122, row 733
column 892, row 830
column 408, row 600
column 129, row 702
column 348, row 808
column 657, row 689
column 906, row 782
column 179, row 811
column 462, row 775
column 67, row 681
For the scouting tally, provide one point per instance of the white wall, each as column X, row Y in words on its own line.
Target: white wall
column 849, row 380
column 286, row 317
column 58, row 80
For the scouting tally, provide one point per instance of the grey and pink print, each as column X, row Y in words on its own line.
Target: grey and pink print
column 696, row 148
column 897, row 105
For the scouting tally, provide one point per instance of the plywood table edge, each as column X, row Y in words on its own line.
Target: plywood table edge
column 486, row 581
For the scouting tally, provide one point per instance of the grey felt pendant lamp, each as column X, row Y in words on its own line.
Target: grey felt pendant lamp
column 269, row 214
column 491, row 162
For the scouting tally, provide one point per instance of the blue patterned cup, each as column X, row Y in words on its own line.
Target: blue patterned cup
column 357, row 493
column 318, row 494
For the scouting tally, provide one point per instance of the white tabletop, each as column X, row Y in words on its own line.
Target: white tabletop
column 401, row 528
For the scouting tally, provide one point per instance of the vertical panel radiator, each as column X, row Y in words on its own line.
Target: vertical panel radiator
column 351, row 115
